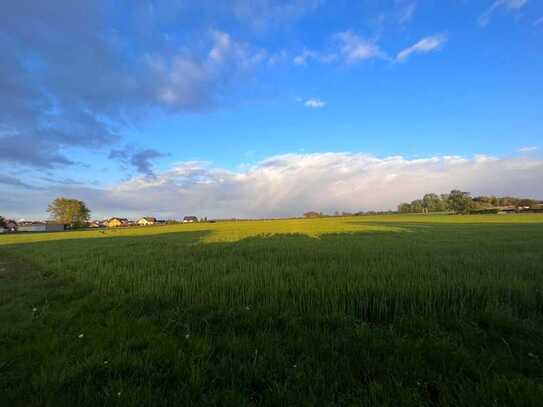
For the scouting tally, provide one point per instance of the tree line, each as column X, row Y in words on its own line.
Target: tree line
column 462, row 202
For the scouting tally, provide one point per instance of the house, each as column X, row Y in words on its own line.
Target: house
column 10, row 225
column 40, row 227
column 95, row 224
column 117, row 222
column 147, row 220
column 506, row 209
column 190, row 219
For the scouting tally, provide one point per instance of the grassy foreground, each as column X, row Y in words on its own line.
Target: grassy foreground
column 392, row 310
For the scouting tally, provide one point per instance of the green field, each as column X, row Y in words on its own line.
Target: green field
column 391, row 310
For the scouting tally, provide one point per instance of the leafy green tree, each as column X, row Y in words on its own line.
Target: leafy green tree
column 459, row 201
column 404, row 207
column 2, row 222
column 417, row 206
column 526, row 202
column 69, row 211
column 433, row 203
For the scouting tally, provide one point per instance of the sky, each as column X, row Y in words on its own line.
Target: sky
column 263, row 108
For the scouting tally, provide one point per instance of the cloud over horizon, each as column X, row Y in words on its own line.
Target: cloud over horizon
column 290, row 184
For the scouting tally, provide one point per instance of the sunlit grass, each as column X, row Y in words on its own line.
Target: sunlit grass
column 235, row 230
column 365, row 308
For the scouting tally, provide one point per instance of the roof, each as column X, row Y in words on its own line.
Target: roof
column 119, row 219
column 190, row 218
column 149, row 219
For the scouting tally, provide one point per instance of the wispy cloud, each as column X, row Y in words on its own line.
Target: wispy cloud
column 355, row 48
column 429, row 44
column 485, row 18
column 314, row 103
column 306, row 55
column 140, row 160
column 407, row 13
column 527, row 149
column 16, row 182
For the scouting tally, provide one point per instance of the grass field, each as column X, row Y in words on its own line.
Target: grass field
column 391, row 310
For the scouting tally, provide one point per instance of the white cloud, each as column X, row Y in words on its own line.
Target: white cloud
column 291, row 184
column 227, row 51
column 354, row 48
column 424, row 46
column 306, row 55
column 527, row 149
column 484, row 19
column 185, row 81
column 315, row 103
column 407, row 13
column 303, row 57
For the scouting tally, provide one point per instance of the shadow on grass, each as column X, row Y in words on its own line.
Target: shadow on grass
column 278, row 319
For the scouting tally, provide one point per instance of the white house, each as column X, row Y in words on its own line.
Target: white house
column 40, row 227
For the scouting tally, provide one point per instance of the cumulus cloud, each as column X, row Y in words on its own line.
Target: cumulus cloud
column 72, row 77
column 428, row 44
column 314, row 103
column 354, row 48
column 291, row 184
column 510, row 5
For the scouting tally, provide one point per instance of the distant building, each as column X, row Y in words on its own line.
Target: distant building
column 117, row 222
column 146, row 220
column 40, row 227
column 190, row 219
column 95, row 224
column 10, row 225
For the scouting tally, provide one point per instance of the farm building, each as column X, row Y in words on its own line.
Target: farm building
column 10, row 226
column 147, row 220
column 117, row 222
column 40, row 227
column 190, row 219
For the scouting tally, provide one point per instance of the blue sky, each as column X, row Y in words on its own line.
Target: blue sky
column 179, row 106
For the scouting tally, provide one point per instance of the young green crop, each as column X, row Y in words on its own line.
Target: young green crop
column 176, row 310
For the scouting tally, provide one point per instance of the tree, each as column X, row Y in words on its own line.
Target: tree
column 459, row 201
column 526, row 203
column 2, row 222
column 312, row 214
column 432, row 203
column 404, row 207
column 69, row 211
column 417, row 206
